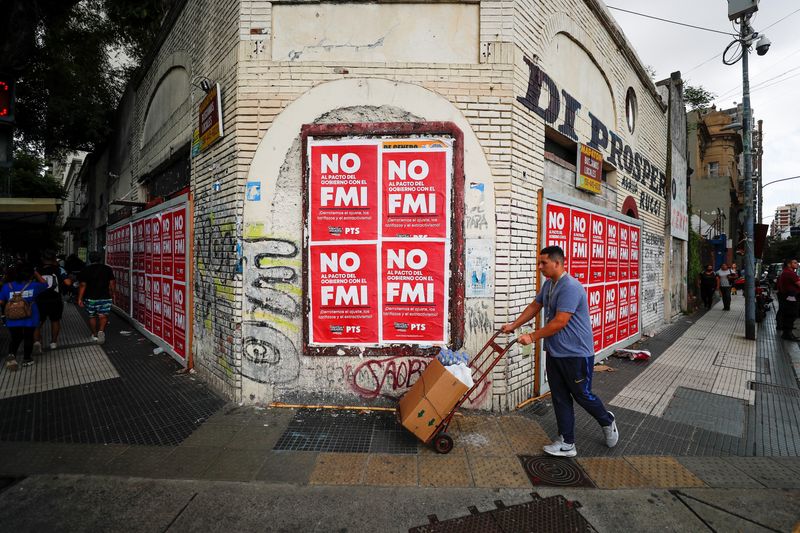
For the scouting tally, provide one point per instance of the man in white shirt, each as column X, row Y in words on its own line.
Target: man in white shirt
column 724, row 286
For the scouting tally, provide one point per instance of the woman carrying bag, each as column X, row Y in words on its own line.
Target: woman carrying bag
column 18, row 297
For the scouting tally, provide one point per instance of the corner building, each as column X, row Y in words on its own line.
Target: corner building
column 497, row 95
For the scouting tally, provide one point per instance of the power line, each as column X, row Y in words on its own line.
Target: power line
column 782, row 19
column 758, row 85
column 669, row 21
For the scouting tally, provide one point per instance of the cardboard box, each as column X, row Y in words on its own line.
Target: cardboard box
column 430, row 400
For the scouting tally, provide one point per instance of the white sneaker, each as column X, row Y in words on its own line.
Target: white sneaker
column 94, row 338
column 53, row 346
column 561, row 449
column 101, row 337
column 37, row 348
column 611, row 433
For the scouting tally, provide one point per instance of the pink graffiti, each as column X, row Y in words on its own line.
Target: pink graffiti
column 400, row 372
column 391, row 377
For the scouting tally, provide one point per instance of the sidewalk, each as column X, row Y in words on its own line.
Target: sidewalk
column 686, row 457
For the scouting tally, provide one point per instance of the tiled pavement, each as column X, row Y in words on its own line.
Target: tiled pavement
column 239, row 444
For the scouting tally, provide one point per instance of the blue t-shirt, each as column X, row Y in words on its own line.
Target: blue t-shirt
column 575, row 339
column 33, row 290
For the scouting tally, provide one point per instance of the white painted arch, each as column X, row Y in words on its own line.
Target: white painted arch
column 430, row 106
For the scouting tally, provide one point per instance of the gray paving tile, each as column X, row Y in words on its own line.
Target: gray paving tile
column 287, row 467
column 188, row 462
column 140, row 461
column 718, row 472
column 767, row 472
column 212, row 435
column 85, row 458
column 255, row 438
column 235, row 465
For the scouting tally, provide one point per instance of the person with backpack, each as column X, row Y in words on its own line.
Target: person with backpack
column 50, row 303
column 22, row 315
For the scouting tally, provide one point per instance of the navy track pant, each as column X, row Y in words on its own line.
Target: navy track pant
column 571, row 378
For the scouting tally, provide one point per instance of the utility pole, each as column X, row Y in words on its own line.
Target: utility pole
column 749, row 253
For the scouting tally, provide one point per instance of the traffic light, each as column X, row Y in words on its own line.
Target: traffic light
column 6, row 99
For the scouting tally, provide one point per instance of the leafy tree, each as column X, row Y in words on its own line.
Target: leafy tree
column 29, row 180
column 698, row 97
column 72, row 59
column 777, row 250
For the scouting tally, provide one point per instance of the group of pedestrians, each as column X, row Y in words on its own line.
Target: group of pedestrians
column 725, row 279
column 722, row 281
column 30, row 297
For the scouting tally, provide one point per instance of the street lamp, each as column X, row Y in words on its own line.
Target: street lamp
column 745, row 40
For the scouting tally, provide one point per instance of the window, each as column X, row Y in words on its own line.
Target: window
column 631, row 109
column 713, row 169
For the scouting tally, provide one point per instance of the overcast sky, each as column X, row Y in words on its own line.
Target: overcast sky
column 669, row 48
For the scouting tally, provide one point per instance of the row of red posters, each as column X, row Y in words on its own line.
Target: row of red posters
column 368, row 294
column 347, row 181
column 598, row 249
column 159, row 304
column 118, row 249
column 160, row 244
column 614, row 312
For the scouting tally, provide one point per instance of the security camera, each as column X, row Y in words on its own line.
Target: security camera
column 763, row 44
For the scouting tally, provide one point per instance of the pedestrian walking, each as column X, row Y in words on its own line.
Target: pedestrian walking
column 50, row 303
column 707, row 280
column 733, row 277
column 788, row 287
column 569, row 348
column 724, row 286
column 18, row 297
column 94, row 293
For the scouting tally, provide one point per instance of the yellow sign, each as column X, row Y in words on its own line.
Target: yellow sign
column 590, row 170
column 210, row 127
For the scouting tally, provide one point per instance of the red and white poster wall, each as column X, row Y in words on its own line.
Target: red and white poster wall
column 602, row 252
column 379, row 247
column 149, row 256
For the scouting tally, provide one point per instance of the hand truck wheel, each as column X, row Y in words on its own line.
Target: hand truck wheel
column 443, row 443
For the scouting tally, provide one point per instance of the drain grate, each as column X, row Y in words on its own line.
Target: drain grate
column 346, row 432
column 555, row 472
column 773, row 389
column 553, row 514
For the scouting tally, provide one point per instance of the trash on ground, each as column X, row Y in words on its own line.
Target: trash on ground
column 633, row 355
column 604, row 368
column 125, row 332
column 158, row 350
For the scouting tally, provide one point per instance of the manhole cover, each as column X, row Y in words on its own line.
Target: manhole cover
column 554, row 471
column 554, row 514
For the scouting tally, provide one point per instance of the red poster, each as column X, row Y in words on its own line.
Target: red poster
column 579, row 252
column 612, row 251
column 413, row 288
column 148, row 302
column 624, row 251
column 557, row 229
column 166, row 311
column 623, row 311
column 138, row 245
column 166, row 245
column 148, row 246
column 135, row 290
column 156, row 236
column 633, row 252
column 179, row 314
column 633, row 308
column 343, row 192
column 610, row 315
column 344, row 294
column 596, row 296
column 157, row 311
column 597, row 261
column 179, row 244
column 415, row 194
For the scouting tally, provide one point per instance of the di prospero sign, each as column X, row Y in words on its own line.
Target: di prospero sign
column 590, row 169
column 378, row 255
column 210, row 115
